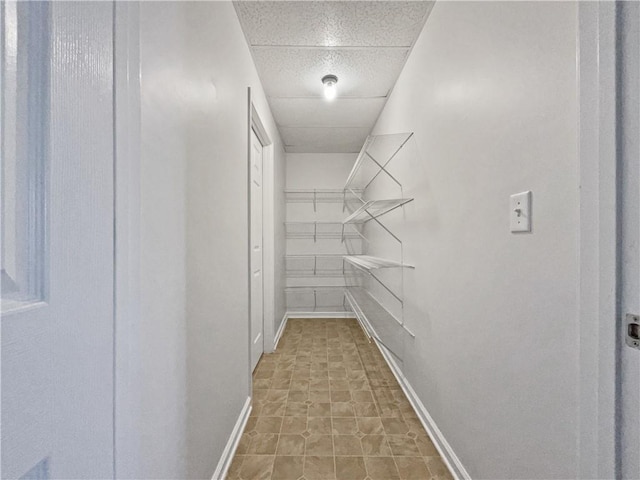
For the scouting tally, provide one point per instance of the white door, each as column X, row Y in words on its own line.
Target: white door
column 629, row 175
column 257, row 300
column 57, row 240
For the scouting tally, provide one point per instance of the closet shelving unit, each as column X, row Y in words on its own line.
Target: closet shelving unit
column 316, row 244
column 375, row 296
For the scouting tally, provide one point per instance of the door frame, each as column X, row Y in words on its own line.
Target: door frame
column 597, row 316
column 268, row 245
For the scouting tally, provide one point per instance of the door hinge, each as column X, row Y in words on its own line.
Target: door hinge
column 632, row 330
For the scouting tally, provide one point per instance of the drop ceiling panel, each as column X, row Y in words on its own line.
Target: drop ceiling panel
column 311, row 112
column 297, row 72
column 295, row 43
column 330, row 23
column 333, row 140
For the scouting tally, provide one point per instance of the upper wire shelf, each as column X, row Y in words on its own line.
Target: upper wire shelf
column 380, row 149
column 374, row 209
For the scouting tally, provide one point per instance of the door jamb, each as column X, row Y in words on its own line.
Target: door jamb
column 268, row 246
column 597, row 244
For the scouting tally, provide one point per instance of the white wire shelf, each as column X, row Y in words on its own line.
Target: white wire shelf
column 322, row 196
column 368, row 263
column 314, row 265
column 380, row 149
column 374, row 209
column 376, row 320
column 316, row 195
column 321, row 230
column 321, row 298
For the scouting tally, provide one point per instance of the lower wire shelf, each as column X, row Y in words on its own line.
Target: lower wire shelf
column 323, row 298
column 377, row 321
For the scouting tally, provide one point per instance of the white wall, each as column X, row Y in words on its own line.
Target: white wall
column 217, row 227
column 318, row 170
column 490, row 92
column 163, row 413
column 196, row 68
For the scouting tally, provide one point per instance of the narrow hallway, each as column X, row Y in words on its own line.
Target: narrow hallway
column 327, row 406
column 319, row 240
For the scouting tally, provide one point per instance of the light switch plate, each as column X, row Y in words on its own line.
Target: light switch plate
column 520, row 212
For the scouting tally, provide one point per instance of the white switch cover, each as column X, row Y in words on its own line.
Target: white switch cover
column 520, row 212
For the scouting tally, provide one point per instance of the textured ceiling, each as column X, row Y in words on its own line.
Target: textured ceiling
column 295, row 43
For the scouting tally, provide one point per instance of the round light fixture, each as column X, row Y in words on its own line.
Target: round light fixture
column 329, row 82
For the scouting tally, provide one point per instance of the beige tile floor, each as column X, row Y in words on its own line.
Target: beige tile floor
column 327, row 407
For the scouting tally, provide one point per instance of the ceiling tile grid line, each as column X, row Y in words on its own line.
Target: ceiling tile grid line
column 295, row 43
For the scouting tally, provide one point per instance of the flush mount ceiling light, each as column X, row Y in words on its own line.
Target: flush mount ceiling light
column 329, row 82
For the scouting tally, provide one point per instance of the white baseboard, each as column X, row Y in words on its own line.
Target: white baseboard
column 449, row 457
column 320, row 315
column 232, row 444
column 280, row 331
